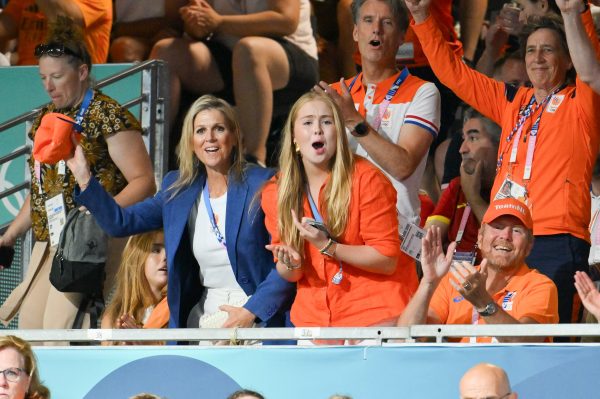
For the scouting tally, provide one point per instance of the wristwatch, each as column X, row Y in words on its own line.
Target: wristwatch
column 489, row 309
column 361, row 129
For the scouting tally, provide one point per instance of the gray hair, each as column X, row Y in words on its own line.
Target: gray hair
column 398, row 10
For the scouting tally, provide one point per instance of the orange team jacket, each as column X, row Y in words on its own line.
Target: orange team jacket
column 32, row 27
column 527, row 294
column 567, row 140
column 362, row 298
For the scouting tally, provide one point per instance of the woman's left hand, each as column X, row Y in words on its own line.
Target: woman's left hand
column 311, row 234
column 238, row 317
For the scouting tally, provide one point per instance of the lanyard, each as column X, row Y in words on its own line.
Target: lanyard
column 211, row 216
column 517, row 131
column 388, row 97
column 337, row 278
column 85, row 104
column 463, row 224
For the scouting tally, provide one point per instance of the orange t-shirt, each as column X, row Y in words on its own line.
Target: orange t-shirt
column 527, row 294
column 32, row 27
column 362, row 298
column 567, row 140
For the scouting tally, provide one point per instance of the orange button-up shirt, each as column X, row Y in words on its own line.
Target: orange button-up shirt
column 527, row 294
column 362, row 298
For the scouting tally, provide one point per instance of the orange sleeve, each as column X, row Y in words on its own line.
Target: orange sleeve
column 440, row 301
column 539, row 302
column 97, row 17
column 378, row 214
column 481, row 92
column 590, row 29
column 268, row 202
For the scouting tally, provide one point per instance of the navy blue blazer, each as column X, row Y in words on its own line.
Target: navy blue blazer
column 245, row 234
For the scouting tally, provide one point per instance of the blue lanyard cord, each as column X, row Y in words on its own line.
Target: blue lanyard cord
column 313, row 206
column 211, row 216
column 395, row 86
column 338, row 277
column 87, row 99
column 524, row 115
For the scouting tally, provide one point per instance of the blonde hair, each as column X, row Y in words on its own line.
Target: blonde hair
column 291, row 181
column 189, row 164
column 133, row 293
column 36, row 389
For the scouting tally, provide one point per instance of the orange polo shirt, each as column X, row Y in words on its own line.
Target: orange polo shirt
column 527, row 294
column 362, row 298
column 567, row 140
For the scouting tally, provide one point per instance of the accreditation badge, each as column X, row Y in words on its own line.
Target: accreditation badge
column 555, row 102
column 57, row 217
column 511, row 189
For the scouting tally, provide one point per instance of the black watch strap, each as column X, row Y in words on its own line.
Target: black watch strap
column 361, row 129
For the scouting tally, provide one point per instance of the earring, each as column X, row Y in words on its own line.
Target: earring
column 296, row 148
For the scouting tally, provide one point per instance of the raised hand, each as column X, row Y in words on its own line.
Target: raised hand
column 311, row 234
column 568, row 6
column 590, row 297
column 419, row 9
column 434, row 262
column 78, row 165
column 344, row 101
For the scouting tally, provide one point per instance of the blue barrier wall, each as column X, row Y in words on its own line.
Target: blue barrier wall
column 404, row 371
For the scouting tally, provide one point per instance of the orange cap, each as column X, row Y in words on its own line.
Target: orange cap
column 508, row 206
column 52, row 141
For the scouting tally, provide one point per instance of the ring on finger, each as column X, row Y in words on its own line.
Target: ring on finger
column 467, row 285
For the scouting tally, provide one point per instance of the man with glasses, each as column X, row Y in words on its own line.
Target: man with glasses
column 487, row 381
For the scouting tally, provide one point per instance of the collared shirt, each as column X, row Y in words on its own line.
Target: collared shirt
column 527, row 294
column 362, row 298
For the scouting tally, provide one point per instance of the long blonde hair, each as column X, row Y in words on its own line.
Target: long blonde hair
column 36, row 389
column 189, row 164
column 133, row 293
column 291, row 182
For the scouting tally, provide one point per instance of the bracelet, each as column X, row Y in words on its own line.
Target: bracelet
column 290, row 266
column 328, row 250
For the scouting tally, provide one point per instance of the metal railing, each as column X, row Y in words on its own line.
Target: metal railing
column 375, row 335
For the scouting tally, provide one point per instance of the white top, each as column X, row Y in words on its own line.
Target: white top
column 302, row 37
column 595, row 230
column 216, row 272
column 135, row 10
column 423, row 110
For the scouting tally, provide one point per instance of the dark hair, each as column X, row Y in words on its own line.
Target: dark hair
column 65, row 32
column 551, row 6
column 245, row 392
column 398, row 10
column 491, row 128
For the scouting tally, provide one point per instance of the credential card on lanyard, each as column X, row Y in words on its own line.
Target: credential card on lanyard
column 411, row 240
column 57, row 217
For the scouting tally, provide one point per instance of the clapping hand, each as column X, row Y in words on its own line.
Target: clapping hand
column 434, row 263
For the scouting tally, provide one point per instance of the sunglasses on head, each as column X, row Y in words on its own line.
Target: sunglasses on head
column 54, row 50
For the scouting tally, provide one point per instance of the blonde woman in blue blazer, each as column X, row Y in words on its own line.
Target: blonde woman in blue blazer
column 214, row 228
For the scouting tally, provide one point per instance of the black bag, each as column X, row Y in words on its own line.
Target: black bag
column 78, row 265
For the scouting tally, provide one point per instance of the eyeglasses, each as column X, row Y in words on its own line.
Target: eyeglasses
column 12, row 374
column 54, row 50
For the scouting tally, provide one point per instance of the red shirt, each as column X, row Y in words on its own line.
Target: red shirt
column 362, row 298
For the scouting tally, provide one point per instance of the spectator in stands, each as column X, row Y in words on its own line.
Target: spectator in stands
column 215, row 235
column 140, row 24
column 502, row 290
column 510, row 21
column 245, row 394
column 333, row 225
column 27, row 21
column 140, row 298
column 398, row 114
column 460, row 210
column 510, row 69
column 555, row 182
column 588, row 292
column 21, row 379
column 583, row 52
column 111, row 137
column 486, row 380
column 263, row 50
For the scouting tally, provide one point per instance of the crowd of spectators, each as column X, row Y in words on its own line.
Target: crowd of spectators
column 334, row 233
